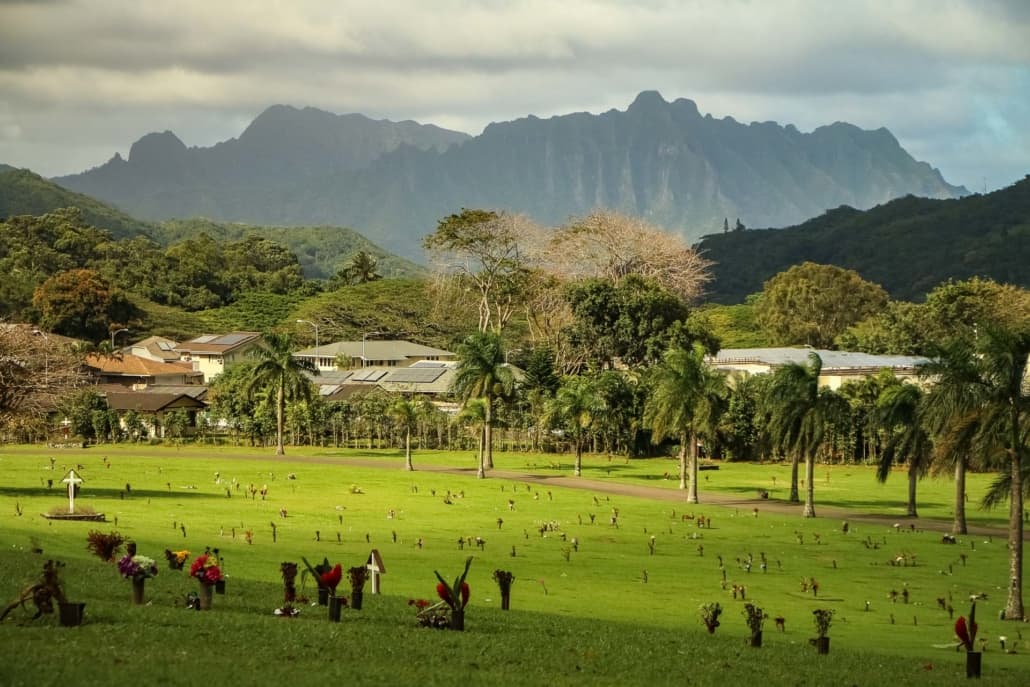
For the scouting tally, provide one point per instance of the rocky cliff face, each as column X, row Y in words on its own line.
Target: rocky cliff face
column 659, row 160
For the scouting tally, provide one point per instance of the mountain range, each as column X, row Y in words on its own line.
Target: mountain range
column 660, row 160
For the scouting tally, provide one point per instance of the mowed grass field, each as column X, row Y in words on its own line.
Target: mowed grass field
column 603, row 611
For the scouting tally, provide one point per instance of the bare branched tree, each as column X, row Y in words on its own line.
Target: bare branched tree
column 36, row 370
column 609, row 245
column 488, row 255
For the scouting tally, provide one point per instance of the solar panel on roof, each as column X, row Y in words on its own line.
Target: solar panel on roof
column 370, row 375
column 416, row 375
column 428, row 363
column 232, row 339
column 206, row 338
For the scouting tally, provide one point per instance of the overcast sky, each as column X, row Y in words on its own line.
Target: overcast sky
column 81, row 80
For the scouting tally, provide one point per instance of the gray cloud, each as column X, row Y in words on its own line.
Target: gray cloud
column 81, row 79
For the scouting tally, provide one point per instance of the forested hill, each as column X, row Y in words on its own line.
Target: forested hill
column 23, row 192
column 908, row 246
column 665, row 161
column 322, row 251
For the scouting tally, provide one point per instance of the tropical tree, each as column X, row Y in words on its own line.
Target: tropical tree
column 799, row 414
column 899, row 413
column 363, row 268
column 406, row 414
column 483, row 373
column 278, row 373
column 980, row 403
column 681, row 402
column 474, row 414
column 576, row 404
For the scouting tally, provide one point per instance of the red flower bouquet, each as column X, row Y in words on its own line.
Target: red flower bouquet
column 205, row 568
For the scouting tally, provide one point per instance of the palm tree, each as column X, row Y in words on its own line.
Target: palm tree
column 799, row 413
column 405, row 413
column 981, row 403
column 278, row 372
column 363, row 268
column 483, row 373
column 898, row 411
column 576, row 402
column 679, row 405
column 475, row 413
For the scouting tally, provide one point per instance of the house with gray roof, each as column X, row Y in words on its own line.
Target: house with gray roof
column 213, row 353
column 838, row 366
column 350, row 355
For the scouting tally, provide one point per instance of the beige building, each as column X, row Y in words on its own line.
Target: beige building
column 349, row 355
column 211, row 354
column 838, row 367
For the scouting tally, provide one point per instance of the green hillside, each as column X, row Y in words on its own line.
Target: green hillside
column 908, row 246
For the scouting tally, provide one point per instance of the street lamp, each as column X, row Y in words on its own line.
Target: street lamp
column 363, row 337
column 313, row 325
column 114, row 334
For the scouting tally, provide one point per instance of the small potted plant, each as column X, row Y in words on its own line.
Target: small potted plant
column 822, row 617
column 456, row 596
column 289, row 573
column 710, row 613
column 357, row 575
column 176, row 559
column 966, row 631
column 138, row 569
column 205, row 569
column 104, row 545
column 44, row 592
column 326, row 576
column 755, row 620
column 504, row 579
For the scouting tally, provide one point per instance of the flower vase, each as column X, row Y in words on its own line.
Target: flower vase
column 220, row 587
column 458, row 620
column 323, row 596
column 756, row 639
column 206, row 593
column 71, row 613
column 973, row 659
column 506, row 601
column 356, row 597
column 336, row 603
column 822, row 645
column 138, row 584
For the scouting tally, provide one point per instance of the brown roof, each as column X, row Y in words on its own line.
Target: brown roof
column 135, row 366
column 150, row 402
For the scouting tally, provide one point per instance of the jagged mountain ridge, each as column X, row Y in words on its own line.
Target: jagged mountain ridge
column 659, row 160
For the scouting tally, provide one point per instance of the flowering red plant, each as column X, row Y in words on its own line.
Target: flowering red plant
column 332, row 578
column 205, row 568
column 457, row 595
column 966, row 631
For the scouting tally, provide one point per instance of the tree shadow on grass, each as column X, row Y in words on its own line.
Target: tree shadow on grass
column 106, row 493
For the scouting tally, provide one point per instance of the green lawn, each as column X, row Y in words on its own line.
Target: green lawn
column 591, row 619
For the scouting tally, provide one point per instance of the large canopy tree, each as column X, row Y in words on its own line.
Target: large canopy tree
column 277, row 373
column 980, row 404
column 812, row 304
column 483, row 373
column 799, row 415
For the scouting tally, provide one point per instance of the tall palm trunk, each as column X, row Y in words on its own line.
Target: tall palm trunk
column 692, row 491
column 794, row 498
column 810, row 485
column 913, row 478
column 959, row 525
column 1014, row 605
column 578, row 468
column 683, row 461
column 407, row 450
column 481, row 472
column 280, row 411
column 488, row 462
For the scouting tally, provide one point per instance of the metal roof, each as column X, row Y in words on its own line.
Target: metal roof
column 832, row 360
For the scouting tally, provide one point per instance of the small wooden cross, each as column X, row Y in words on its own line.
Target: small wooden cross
column 72, row 480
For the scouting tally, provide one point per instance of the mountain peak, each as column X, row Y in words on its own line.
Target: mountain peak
column 647, row 101
column 156, row 147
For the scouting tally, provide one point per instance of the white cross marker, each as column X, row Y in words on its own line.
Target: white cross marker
column 72, row 480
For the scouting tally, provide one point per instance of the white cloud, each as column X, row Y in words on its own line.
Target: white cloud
column 94, row 72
